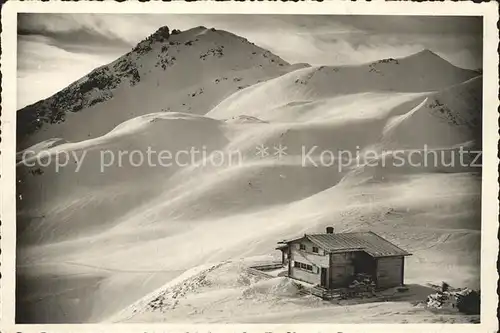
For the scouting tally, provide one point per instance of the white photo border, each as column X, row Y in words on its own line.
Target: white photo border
column 490, row 188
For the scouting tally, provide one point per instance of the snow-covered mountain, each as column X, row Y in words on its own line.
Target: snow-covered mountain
column 87, row 233
column 177, row 71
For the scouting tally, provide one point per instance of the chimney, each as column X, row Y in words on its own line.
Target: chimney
column 329, row 230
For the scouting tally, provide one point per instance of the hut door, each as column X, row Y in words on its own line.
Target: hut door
column 323, row 277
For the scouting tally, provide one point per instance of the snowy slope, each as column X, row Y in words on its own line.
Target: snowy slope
column 228, row 293
column 86, row 236
column 449, row 117
column 183, row 72
column 422, row 72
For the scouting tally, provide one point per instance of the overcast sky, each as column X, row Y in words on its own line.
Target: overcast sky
column 57, row 49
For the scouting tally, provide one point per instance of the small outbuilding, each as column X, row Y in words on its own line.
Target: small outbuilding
column 332, row 260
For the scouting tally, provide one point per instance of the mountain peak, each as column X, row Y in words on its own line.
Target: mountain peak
column 427, row 51
column 426, row 54
column 428, row 59
column 161, row 34
column 193, row 56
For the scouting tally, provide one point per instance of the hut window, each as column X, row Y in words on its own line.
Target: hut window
column 315, row 249
column 302, row 247
column 303, row 266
